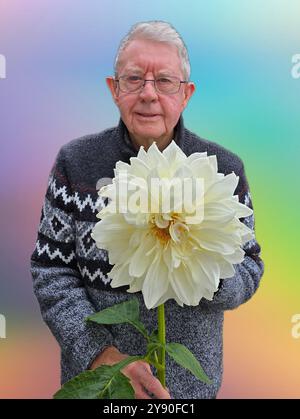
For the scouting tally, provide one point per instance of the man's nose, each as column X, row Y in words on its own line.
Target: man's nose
column 148, row 91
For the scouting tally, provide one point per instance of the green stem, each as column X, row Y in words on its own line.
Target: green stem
column 162, row 340
column 155, row 356
column 151, row 362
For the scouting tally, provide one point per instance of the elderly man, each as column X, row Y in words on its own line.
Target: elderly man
column 151, row 88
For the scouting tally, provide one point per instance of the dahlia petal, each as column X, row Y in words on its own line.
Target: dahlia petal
column 222, row 189
column 136, row 285
column 155, row 157
column 210, row 268
column 139, row 167
column 203, row 170
column 183, row 286
column 121, row 167
column 169, row 295
column 156, row 282
column 214, row 164
column 174, row 154
column 215, row 240
column 142, row 154
column 120, row 275
column 240, row 209
column 160, row 221
column 226, row 269
column 140, row 261
column 183, row 172
column 235, row 257
column 196, row 156
column 217, row 212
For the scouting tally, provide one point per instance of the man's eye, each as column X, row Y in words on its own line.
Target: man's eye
column 134, row 79
column 164, row 80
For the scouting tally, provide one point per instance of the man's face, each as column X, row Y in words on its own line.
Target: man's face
column 149, row 115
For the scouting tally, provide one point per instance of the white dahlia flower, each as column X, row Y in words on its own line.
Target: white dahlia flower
column 166, row 243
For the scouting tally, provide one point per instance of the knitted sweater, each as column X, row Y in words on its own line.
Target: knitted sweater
column 70, row 273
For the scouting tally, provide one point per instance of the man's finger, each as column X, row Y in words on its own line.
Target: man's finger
column 140, row 392
column 153, row 385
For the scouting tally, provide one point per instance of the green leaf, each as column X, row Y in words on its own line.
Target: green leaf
column 187, row 360
column 151, row 349
column 154, row 336
column 152, row 346
column 120, row 388
column 103, row 382
column 127, row 312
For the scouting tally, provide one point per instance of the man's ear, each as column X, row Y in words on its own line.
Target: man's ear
column 188, row 92
column 112, row 85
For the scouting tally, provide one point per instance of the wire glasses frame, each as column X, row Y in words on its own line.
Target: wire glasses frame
column 164, row 85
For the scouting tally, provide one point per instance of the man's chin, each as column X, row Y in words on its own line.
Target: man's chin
column 147, row 140
column 148, row 135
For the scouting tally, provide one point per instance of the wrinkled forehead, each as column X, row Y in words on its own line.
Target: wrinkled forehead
column 144, row 56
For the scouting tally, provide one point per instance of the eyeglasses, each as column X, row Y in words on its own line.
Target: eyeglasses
column 165, row 85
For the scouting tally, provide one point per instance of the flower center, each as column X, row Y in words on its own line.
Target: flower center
column 168, row 227
column 162, row 234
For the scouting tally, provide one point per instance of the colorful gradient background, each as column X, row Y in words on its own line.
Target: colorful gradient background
column 58, row 54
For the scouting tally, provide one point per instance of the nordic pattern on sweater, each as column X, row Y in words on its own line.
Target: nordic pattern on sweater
column 70, row 274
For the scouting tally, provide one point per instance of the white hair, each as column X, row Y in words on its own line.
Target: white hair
column 159, row 31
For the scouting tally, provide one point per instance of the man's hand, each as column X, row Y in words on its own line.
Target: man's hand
column 139, row 373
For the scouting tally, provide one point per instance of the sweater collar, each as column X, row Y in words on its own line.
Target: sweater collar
column 126, row 145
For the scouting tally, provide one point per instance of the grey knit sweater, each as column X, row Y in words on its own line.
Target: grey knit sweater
column 70, row 274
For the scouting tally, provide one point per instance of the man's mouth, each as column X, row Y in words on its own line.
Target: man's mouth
column 147, row 115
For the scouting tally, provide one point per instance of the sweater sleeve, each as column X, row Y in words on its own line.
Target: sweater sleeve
column 57, row 282
column 240, row 288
